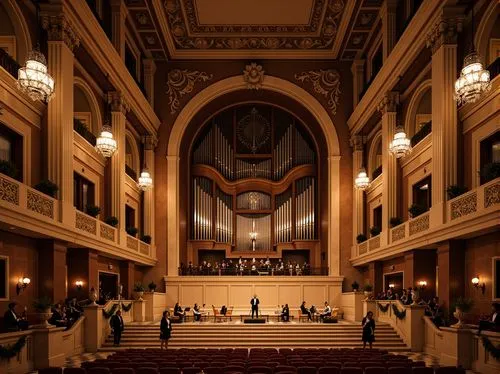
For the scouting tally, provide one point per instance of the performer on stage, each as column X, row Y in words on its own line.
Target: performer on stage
column 255, row 306
column 285, row 313
column 327, row 312
column 304, row 310
column 165, row 329
column 368, row 330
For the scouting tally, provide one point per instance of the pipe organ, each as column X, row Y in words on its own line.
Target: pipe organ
column 260, row 197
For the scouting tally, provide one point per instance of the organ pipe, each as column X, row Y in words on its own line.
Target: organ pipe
column 224, row 226
column 202, row 209
column 305, row 209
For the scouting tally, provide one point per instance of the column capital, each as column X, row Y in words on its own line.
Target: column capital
column 150, row 142
column 446, row 28
column 357, row 142
column 389, row 102
column 117, row 102
column 59, row 28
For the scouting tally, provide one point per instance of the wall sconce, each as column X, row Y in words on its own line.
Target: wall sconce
column 22, row 283
column 391, row 286
column 422, row 284
column 79, row 285
column 475, row 282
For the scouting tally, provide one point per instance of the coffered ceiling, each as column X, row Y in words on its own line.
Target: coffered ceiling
column 239, row 29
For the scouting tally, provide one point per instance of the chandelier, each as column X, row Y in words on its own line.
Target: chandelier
column 145, row 180
column 474, row 80
column 362, row 182
column 34, row 79
column 400, row 145
column 105, row 144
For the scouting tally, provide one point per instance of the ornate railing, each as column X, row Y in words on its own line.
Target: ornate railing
column 398, row 232
column 8, row 63
column 85, row 223
column 419, row 224
column 132, row 243
column 374, row 243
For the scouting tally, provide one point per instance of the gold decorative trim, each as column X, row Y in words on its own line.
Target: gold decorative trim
column 86, row 223
column 464, row 206
column 182, row 82
column 132, row 243
column 9, row 191
column 363, row 247
column 325, row 83
column 398, row 233
column 107, row 232
column 374, row 243
column 40, row 204
column 492, row 195
column 253, row 75
column 419, row 224
column 144, row 248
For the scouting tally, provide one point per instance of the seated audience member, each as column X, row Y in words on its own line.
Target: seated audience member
column 179, row 312
column 196, row 312
column 389, row 295
column 223, row 310
column 10, row 318
column 410, row 296
column 327, row 312
column 58, row 318
column 74, row 311
column 23, row 321
column 285, row 313
column 404, row 296
column 305, row 311
column 493, row 322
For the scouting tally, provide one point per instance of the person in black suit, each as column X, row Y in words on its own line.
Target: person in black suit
column 285, row 313
column 493, row 322
column 368, row 330
column 306, row 311
column 10, row 319
column 165, row 329
column 117, row 326
column 255, row 305
column 179, row 312
column 196, row 313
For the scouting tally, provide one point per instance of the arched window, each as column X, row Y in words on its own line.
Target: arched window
column 375, row 157
column 418, row 122
column 132, row 157
column 87, row 114
column 15, row 40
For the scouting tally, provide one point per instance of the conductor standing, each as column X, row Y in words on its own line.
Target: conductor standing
column 255, row 305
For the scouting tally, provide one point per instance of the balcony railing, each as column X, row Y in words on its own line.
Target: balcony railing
column 8, row 63
column 257, row 272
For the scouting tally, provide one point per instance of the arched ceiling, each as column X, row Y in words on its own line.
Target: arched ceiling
column 239, row 29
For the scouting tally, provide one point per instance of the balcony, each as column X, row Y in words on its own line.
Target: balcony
column 25, row 207
column 474, row 211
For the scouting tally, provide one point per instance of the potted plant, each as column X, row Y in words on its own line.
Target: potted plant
column 42, row 307
column 415, row 210
column 47, row 187
column 146, row 239
column 490, row 171
column 355, row 286
column 139, row 290
column 361, row 238
column 152, row 286
column 395, row 221
column 112, row 221
column 367, row 289
column 462, row 305
column 132, row 231
column 8, row 168
column 455, row 191
column 374, row 231
column 92, row 210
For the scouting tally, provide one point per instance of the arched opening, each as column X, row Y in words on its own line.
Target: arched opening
column 14, row 33
column 487, row 38
column 418, row 122
column 214, row 99
column 132, row 157
column 375, row 157
column 86, row 112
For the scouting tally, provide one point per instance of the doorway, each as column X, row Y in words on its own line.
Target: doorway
column 394, row 281
column 108, row 286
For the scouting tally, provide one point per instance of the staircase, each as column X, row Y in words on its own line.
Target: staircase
column 230, row 335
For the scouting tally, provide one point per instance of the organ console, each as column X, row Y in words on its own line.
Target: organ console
column 257, row 202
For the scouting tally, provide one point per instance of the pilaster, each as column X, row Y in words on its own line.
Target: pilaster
column 172, row 216
column 119, row 107
column 388, row 109
column 358, row 76
column 149, row 79
column 442, row 40
column 334, row 218
column 149, row 200
column 358, row 211
column 388, row 15
column 62, row 40
column 118, row 17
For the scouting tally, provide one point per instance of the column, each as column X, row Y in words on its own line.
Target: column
column 149, row 200
column 149, row 79
column 118, row 17
column 334, row 255
column 127, row 276
column 52, row 270
column 172, row 215
column 388, row 15
column 387, row 108
column 62, row 40
column 451, row 271
column 119, row 108
column 358, row 212
column 375, row 276
column 443, row 42
column 358, row 77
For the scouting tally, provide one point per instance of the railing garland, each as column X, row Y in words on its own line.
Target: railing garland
column 397, row 313
column 126, row 308
column 490, row 348
column 9, row 351
column 383, row 308
column 113, row 309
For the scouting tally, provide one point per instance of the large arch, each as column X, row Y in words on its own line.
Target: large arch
column 23, row 38
column 95, row 110
column 229, row 85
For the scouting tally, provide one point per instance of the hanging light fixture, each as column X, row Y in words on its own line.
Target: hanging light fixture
column 105, row 144
column 400, row 145
column 145, row 181
column 474, row 80
column 33, row 78
column 362, row 181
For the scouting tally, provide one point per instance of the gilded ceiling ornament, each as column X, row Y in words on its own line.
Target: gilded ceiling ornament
column 180, row 83
column 253, row 75
column 325, row 83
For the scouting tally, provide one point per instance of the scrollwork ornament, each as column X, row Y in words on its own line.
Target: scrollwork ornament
column 182, row 82
column 253, row 75
column 325, row 83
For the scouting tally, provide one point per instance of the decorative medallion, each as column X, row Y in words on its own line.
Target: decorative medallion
column 180, row 83
column 253, row 75
column 253, row 131
column 325, row 83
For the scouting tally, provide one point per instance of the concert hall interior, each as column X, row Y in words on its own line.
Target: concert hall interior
column 264, row 186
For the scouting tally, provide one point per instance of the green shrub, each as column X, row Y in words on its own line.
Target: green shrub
column 132, row 231
column 455, row 191
column 395, row 221
column 374, row 231
column 8, row 168
column 361, row 238
column 146, row 239
column 112, row 221
column 92, row 210
column 47, row 187
column 415, row 210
